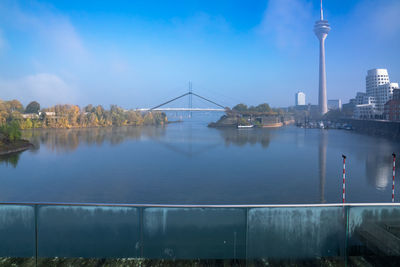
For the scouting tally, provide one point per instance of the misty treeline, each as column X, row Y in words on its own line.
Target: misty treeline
column 261, row 109
column 72, row 116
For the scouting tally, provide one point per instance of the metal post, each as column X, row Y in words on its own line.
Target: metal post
column 141, row 213
column 344, row 179
column 36, row 212
column 346, row 241
column 394, row 174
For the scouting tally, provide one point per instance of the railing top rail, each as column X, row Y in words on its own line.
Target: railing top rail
column 201, row 205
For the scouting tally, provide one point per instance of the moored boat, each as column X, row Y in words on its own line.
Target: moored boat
column 245, row 126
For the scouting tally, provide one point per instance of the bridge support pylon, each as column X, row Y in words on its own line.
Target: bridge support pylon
column 190, row 99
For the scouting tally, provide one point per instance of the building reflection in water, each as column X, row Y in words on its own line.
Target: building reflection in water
column 378, row 165
column 323, row 140
column 378, row 162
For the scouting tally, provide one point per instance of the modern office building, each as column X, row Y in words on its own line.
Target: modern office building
column 300, row 99
column 334, row 104
column 321, row 30
column 379, row 90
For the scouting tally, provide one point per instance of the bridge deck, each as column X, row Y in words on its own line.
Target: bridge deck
column 182, row 109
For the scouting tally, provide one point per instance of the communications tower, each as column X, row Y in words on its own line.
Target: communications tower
column 321, row 30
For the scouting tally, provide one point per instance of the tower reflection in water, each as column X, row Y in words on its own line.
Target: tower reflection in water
column 323, row 140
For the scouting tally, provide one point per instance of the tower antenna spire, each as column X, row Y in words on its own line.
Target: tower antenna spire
column 322, row 12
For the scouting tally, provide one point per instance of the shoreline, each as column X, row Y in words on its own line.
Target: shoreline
column 19, row 146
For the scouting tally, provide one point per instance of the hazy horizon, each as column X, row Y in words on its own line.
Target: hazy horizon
column 141, row 53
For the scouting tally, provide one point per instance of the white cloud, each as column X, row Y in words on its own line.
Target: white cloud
column 287, row 22
column 63, row 37
column 48, row 89
column 50, row 29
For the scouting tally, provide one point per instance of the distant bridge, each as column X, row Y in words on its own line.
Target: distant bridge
column 182, row 109
column 190, row 107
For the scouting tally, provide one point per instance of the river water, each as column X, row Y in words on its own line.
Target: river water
column 188, row 163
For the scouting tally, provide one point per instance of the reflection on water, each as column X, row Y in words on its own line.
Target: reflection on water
column 323, row 138
column 61, row 140
column 378, row 165
column 11, row 159
column 190, row 163
column 241, row 137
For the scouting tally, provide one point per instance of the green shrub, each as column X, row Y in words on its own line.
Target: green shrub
column 11, row 131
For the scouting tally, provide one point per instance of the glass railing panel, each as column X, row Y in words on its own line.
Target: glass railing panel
column 194, row 233
column 88, row 232
column 17, row 231
column 374, row 234
column 299, row 233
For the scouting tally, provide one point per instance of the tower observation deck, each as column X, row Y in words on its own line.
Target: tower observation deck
column 321, row 30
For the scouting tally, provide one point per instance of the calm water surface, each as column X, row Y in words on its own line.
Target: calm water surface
column 187, row 162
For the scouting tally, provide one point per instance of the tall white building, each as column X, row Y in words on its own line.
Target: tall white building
column 379, row 90
column 321, row 30
column 378, row 85
column 300, row 99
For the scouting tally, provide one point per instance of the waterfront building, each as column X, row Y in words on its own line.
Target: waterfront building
column 365, row 111
column 365, row 107
column 321, row 30
column 334, row 104
column 392, row 107
column 48, row 113
column 363, row 98
column 379, row 86
column 379, row 90
column 300, row 99
column 30, row 116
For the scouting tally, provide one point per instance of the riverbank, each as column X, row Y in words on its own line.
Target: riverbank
column 14, row 147
column 375, row 127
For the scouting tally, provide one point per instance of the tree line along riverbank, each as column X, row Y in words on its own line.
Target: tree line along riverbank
column 72, row 116
column 15, row 117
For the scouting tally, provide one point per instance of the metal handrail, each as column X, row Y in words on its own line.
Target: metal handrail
column 201, row 205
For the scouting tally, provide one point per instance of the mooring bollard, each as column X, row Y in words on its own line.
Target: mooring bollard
column 344, row 178
column 394, row 173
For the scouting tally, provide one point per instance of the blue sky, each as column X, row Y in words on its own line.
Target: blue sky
column 140, row 53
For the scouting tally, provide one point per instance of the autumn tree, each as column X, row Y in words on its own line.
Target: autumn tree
column 15, row 105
